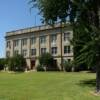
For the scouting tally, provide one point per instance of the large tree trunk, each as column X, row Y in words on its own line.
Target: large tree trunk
column 98, row 78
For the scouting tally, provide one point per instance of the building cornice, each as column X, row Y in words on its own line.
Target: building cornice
column 35, row 29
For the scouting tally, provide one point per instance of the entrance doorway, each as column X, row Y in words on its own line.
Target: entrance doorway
column 32, row 64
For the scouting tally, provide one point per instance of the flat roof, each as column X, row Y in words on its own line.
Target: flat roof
column 34, row 29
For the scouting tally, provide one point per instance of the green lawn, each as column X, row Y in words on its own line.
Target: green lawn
column 47, row 86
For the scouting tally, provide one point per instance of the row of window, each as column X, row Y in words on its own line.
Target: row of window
column 67, row 50
column 42, row 40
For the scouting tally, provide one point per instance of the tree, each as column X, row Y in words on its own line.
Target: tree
column 16, row 63
column 52, row 10
column 88, row 25
column 68, row 66
column 84, row 16
column 46, row 61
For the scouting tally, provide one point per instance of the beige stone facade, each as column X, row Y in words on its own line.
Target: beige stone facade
column 32, row 42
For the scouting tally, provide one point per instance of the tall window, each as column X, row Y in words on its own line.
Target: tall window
column 16, row 43
column 33, row 52
column 24, row 52
column 24, row 42
column 8, row 44
column 33, row 40
column 53, row 38
column 66, row 36
column 67, row 49
column 43, row 50
column 54, row 50
column 43, row 39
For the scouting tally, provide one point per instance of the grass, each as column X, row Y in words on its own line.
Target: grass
column 47, row 86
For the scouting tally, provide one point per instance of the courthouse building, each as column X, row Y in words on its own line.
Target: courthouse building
column 32, row 42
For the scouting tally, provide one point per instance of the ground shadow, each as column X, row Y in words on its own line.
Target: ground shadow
column 88, row 83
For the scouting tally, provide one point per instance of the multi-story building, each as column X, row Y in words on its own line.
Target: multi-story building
column 32, row 42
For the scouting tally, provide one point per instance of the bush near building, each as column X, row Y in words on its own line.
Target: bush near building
column 40, row 68
column 47, row 62
column 68, row 66
column 72, row 66
column 16, row 63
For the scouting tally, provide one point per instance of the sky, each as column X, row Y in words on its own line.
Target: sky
column 15, row 14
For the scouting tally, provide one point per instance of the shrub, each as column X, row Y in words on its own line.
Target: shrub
column 80, row 67
column 68, row 66
column 39, row 68
column 10, row 64
column 92, row 69
column 16, row 63
column 46, row 60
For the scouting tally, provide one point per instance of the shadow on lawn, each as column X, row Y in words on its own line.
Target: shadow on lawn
column 88, row 83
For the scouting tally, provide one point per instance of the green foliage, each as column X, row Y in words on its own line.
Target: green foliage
column 46, row 60
column 89, row 51
column 52, row 10
column 86, row 44
column 2, row 64
column 39, row 68
column 10, row 63
column 86, row 33
column 16, row 63
column 68, row 66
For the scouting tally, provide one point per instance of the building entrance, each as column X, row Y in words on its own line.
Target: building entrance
column 32, row 64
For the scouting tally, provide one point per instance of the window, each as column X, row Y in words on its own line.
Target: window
column 16, row 52
column 54, row 50
column 43, row 50
column 33, row 52
column 8, row 44
column 33, row 40
column 16, row 43
column 53, row 38
column 67, row 49
column 8, row 53
column 24, row 42
column 66, row 36
column 42, row 39
column 24, row 52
